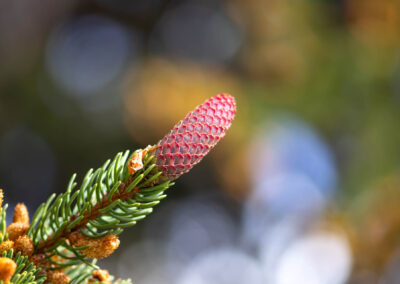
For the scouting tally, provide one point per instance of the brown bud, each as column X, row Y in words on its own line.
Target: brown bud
column 24, row 244
column 102, row 276
column 6, row 246
column 7, row 269
column 39, row 259
column 57, row 277
column 16, row 230
column 21, row 214
column 98, row 248
column 136, row 162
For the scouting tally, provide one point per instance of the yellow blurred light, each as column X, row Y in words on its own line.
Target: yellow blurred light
column 162, row 93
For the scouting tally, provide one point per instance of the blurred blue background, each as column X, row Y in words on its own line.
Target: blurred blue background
column 305, row 186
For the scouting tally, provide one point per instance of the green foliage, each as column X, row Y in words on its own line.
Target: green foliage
column 80, row 273
column 107, row 201
column 26, row 271
column 3, row 224
column 123, row 281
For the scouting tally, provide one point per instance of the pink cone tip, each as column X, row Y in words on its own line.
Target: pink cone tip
column 194, row 136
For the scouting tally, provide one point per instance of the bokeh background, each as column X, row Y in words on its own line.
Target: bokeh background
column 304, row 188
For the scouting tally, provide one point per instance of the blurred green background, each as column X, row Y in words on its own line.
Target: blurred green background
column 305, row 186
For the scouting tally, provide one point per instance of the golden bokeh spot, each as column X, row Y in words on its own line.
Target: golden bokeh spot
column 163, row 92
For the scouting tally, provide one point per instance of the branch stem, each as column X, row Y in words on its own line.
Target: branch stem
column 88, row 215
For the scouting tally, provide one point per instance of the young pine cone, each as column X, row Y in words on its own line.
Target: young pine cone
column 194, row 136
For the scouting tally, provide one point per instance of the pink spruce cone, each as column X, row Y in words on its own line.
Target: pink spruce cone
column 194, row 136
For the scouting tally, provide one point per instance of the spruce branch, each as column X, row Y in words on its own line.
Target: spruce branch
column 71, row 230
column 90, row 219
column 108, row 200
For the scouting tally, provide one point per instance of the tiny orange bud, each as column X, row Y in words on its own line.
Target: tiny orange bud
column 7, row 269
column 16, row 230
column 39, row 259
column 6, row 246
column 57, row 277
column 24, row 244
column 98, row 248
column 136, row 162
column 102, row 276
column 21, row 214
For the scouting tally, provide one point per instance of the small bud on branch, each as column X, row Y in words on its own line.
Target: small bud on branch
column 21, row 214
column 15, row 230
column 24, row 244
column 7, row 269
column 100, row 275
column 57, row 277
column 98, row 248
column 6, row 246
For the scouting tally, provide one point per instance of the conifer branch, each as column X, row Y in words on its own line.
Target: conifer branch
column 83, row 223
column 109, row 199
column 91, row 214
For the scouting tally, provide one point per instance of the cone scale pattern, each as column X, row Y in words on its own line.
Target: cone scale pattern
column 194, row 136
